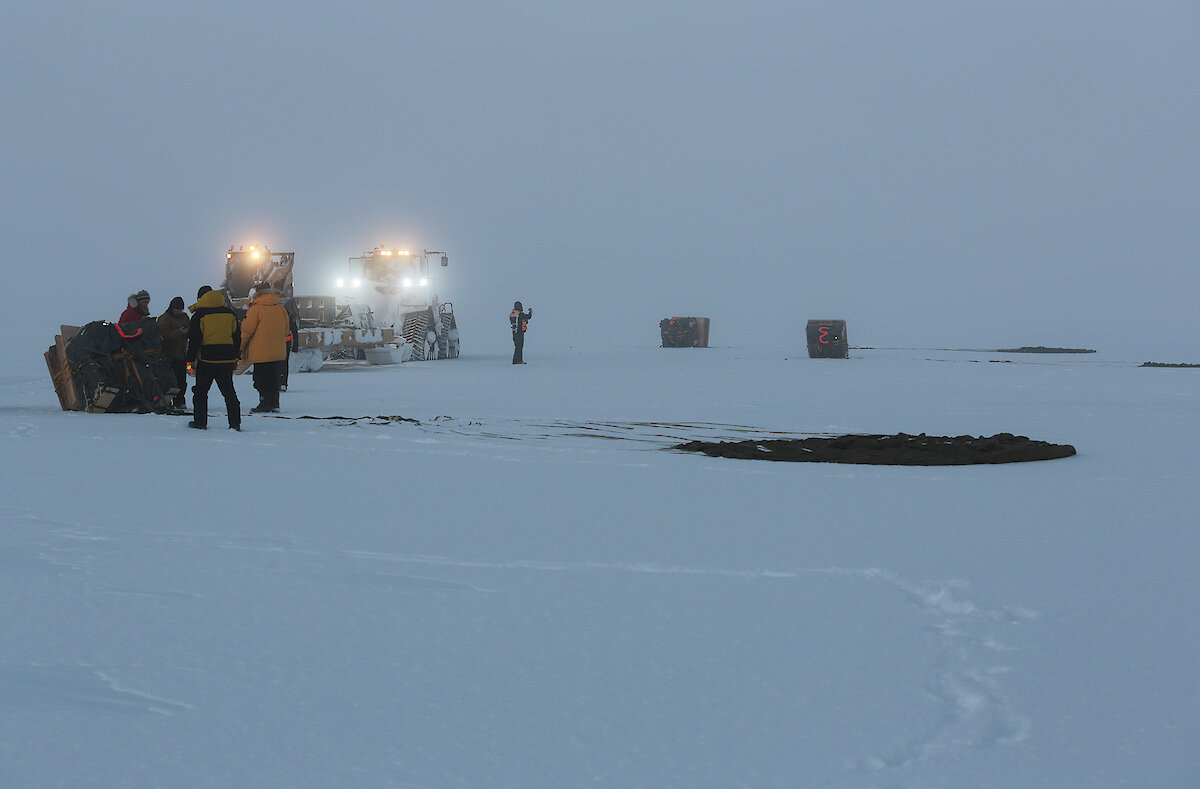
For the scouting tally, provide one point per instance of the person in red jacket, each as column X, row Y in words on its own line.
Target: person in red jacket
column 138, row 309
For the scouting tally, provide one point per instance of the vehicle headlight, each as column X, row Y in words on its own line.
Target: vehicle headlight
column 423, row 283
column 406, row 282
column 341, row 283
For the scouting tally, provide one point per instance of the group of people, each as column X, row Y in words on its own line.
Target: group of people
column 214, row 340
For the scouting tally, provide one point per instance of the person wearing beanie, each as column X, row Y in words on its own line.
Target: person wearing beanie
column 173, row 326
column 138, row 307
column 519, row 320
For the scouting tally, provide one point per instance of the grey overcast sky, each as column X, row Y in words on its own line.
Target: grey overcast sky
column 941, row 173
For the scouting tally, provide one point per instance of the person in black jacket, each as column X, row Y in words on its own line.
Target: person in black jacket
column 293, row 341
column 173, row 326
column 214, row 339
column 519, row 320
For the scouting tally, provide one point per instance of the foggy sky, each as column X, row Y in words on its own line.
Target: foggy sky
column 943, row 173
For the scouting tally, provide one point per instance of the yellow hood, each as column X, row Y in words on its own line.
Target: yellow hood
column 208, row 301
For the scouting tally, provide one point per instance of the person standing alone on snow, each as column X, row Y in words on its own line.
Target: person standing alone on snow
column 265, row 345
column 173, row 326
column 138, row 309
column 520, row 324
column 213, row 342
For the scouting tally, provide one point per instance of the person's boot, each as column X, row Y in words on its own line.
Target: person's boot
column 197, row 425
column 261, row 408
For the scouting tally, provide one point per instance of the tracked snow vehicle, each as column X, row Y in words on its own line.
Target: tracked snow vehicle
column 245, row 268
column 401, row 290
column 386, row 311
column 328, row 329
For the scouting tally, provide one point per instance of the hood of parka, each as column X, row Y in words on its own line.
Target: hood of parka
column 209, row 301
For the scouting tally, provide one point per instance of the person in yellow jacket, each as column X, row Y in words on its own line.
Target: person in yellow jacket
column 264, row 344
column 213, row 342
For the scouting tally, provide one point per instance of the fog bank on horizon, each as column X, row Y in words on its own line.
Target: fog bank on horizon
column 938, row 174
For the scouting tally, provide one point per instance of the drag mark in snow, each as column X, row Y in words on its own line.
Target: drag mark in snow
column 657, row 434
column 23, row 687
column 635, row 567
column 964, row 677
column 654, row 434
column 34, row 544
column 397, row 582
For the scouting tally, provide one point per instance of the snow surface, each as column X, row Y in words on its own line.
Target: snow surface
column 525, row 589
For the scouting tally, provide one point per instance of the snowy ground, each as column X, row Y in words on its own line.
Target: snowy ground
column 525, row 589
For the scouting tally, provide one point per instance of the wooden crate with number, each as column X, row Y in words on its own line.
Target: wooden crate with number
column 827, row 340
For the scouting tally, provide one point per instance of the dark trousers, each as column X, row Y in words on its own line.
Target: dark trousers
column 179, row 367
column 283, row 369
column 206, row 373
column 518, row 347
column 266, row 381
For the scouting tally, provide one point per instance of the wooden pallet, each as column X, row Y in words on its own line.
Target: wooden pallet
column 60, row 372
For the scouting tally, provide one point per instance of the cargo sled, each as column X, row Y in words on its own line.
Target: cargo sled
column 112, row 368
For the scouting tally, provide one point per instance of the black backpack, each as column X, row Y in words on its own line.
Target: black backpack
column 120, row 367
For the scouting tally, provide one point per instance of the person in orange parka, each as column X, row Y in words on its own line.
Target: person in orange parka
column 264, row 344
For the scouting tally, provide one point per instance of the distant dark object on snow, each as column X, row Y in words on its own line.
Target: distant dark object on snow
column 1165, row 364
column 827, row 339
column 684, row 332
column 898, row 450
column 1042, row 349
